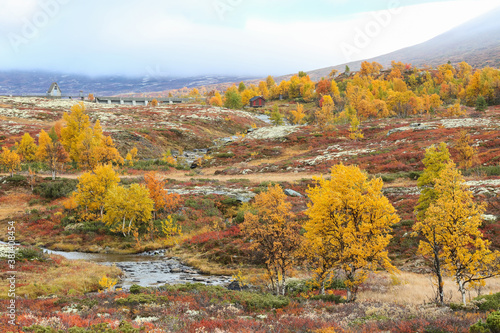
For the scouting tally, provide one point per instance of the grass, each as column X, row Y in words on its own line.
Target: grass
column 415, row 289
column 57, row 275
column 197, row 261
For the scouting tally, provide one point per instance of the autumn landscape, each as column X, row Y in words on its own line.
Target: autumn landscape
column 361, row 197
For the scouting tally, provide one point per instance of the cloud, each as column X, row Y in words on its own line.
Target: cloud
column 189, row 37
column 13, row 11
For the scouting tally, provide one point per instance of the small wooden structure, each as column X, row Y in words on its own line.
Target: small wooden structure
column 257, row 102
column 54, row 90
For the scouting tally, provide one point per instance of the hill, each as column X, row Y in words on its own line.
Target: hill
column 37, row 82
column 477, row 42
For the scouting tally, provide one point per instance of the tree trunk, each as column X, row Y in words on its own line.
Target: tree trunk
column 277, row 278
column 349, row 295
column 123, row 227
column 53, row 174
column 437, row 270
column 461, row 287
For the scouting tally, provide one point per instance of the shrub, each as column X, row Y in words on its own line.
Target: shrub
column 488, row 302
column 17, row 180
column 492, row 324
column 479, row 327
column 30, row 253
column 224, row 155
column 140, row 299
column 56, row 189
column 250, row 300
column 136, row 289
column 481, row 104
column 337, row 299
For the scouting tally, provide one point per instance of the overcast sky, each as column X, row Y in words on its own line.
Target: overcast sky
column 223, row 37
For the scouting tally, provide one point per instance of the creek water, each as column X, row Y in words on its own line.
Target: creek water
column 147, row 270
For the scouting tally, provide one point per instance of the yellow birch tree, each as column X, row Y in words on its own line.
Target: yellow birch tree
column 451, row 235
column 349, row 226
column 274, row 233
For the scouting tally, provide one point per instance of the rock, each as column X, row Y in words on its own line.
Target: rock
column 292, row 193
column 234, row 285
column 275, row 132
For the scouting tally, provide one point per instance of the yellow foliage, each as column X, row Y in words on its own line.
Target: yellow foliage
column 107, row 283
column 92, row 189
column 76, row 123
column 27, row 148
column 44, row 141
column 242, row 280
column 298, row 115
column 451, row 235
column 70, row 203
column 10, row 160
column 324, row 116
column 163, row 201
column 355, row 132
column 349, row 226
column 127, row 208
column 86, row 145
column 275, row 233
column 467, row 155
column 454, row 111
column 169, row 228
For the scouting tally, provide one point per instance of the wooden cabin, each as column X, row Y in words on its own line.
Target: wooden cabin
column 257, row 102
column 54, row 90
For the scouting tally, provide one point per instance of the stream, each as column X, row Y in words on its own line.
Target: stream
column 153, row 268
column 147, row 270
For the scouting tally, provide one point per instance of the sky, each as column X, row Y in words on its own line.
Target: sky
column 216, row 37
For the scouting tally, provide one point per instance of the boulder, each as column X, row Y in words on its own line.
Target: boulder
column 292, row 193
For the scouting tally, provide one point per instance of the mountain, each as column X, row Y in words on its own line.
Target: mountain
column 476, row 42
column 35, row 82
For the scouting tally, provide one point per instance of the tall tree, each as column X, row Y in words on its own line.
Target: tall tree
column 76, row 123
column 276, row 116
column 324, row 116
column 274, row 233
column 216, row 100
column 355, row 132
column 349, row 226
column 27, row 148
column 270, row 82
column 127, row 208
column 434, row 161
column 451, row 236
column 233, row 99
column 44, row 141
column 467, row 154
column 92, row 189
column 56, row 158
column 10, row 160
column 298, row 115
column 163, row 201
column 241, row 87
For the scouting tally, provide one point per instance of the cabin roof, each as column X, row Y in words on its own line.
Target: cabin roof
column 256, row 98
column 52, row 86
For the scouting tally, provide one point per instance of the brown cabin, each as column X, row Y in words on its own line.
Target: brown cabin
column 257, row 102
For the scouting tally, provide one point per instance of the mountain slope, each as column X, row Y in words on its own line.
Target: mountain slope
column 37, row 82
column 476, row 42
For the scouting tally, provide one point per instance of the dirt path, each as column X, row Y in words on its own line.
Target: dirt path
column 209, row 173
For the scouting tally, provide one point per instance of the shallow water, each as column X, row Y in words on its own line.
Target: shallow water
column 147, row 270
